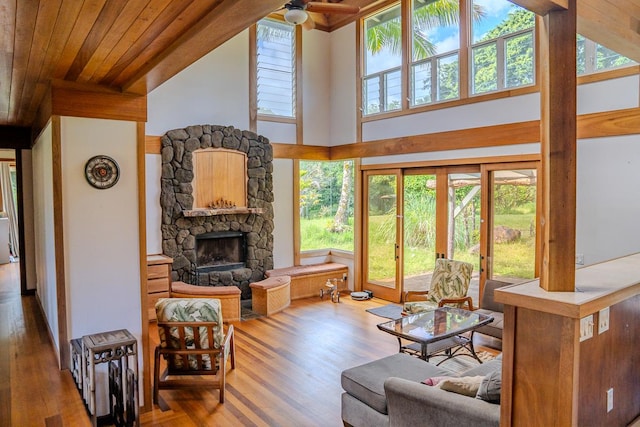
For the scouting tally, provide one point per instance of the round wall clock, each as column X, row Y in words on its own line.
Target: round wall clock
column 102, row 172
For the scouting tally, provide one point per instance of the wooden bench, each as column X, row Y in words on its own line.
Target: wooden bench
column 229, row 297
column 308, row 280
column 270, row 295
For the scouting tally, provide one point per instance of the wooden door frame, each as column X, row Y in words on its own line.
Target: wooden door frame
column 394, row 294
column 486, row 215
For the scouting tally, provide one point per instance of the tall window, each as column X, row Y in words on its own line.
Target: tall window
column 593, row 57
column 276, row 48
column 326, row 205
column 383, row 60
column 435, row 39
column 502, row 53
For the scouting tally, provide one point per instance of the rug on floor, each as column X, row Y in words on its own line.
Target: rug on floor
column 247, row 314
column 389, row 311
column 460, row 364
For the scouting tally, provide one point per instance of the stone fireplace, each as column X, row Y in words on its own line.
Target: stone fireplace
column 216, row 199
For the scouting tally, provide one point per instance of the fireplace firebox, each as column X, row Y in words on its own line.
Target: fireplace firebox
column 220, row 251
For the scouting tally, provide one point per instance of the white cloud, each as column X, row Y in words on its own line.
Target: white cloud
column 450, row 43
column 494, row 7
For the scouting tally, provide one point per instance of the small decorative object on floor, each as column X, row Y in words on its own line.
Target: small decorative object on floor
column 119, row 347
column 360, row 296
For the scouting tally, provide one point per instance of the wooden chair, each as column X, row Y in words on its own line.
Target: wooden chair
column 193, row 343
column 449, row 286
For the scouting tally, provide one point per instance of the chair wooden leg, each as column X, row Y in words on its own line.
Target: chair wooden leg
column 156, row 375
column 232, row 352
column 222, row 380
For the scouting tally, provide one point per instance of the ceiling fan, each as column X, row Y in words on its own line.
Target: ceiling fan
column 297, row 11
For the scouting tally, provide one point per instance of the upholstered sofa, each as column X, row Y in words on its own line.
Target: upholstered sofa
column 489, row 306
column 390, row 392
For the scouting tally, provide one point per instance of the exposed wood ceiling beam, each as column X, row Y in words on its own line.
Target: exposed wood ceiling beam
column 613, row 24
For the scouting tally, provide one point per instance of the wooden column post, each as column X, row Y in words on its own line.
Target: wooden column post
column 558, row 138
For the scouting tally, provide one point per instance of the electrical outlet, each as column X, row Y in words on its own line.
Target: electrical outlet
column 603, row 320
column 586, row 327
column 580, row 259
column 610, row 400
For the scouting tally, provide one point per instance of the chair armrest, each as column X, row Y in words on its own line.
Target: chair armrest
column 412, row 403
column 416, row 296
column 468, row 300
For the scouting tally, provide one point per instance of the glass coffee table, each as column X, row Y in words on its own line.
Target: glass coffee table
column 444, row 331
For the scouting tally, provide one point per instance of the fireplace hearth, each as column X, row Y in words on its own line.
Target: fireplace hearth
column 220, row 251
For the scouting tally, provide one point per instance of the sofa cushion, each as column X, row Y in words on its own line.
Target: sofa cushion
column 491, row 387
column 484, row 368
column 467, row 386
column 366, row 382
column 494, row 328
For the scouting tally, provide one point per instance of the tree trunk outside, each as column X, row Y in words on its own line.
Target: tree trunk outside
column 341, row 219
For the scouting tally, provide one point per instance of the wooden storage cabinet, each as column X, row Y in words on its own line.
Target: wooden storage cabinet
column 158, row 281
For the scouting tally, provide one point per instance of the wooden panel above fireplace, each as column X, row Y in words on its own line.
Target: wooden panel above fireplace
column 220, row 179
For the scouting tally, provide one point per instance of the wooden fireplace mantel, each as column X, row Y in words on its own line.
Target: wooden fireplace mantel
column 226, row 211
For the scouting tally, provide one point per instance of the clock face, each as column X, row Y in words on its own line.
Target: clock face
column 102, row 172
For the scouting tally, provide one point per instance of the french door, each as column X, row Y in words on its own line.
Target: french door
column 414, row 216
column 481, row 214
column 509, row 236
column 382, row 233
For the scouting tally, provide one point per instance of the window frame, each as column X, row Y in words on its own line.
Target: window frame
column 464, row 67
column 255, row 115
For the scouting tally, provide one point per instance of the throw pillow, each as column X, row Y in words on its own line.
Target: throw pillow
column 467, row 386
column 435, row 380
column 490, row 387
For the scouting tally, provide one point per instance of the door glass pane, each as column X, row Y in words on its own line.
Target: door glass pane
column 381, row 230
column 513, row 237
column 419, row 230
column 464, row 218
column 463, row 223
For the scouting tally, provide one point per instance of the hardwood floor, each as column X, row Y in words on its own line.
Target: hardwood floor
column 287, row 370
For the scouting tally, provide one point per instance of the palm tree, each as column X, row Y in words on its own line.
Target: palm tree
column 439, row 13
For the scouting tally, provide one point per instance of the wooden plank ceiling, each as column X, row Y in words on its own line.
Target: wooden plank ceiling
column 136, row 45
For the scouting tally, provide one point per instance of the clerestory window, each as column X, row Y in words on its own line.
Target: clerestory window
column 382, row 85
column 593, row 57
column 276, row 71
column 502, row 50
column 435, row 41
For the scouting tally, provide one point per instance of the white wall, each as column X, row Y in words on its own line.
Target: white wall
column 29, row 215
column 153, row 170
column 496, row 112
column 608, row 198
column 282, row 213
column 316, row 78
column 616, row 94
column 343, row 85
column 102, row 261
column 213, row 90
column 45, row 256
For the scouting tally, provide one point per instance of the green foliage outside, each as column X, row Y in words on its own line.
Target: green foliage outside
column 320, row 193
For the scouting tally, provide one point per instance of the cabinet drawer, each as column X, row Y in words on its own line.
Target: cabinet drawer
column 156, row 271
column 158, row 285
column 152, row 299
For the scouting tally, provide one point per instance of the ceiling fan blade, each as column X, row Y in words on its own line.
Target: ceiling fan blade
column 314, row 6
column 309, row 24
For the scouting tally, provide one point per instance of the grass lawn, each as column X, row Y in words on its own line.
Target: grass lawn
column 513, row 259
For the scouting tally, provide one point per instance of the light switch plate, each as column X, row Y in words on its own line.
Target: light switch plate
column 603, row 320
column 586, row 327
